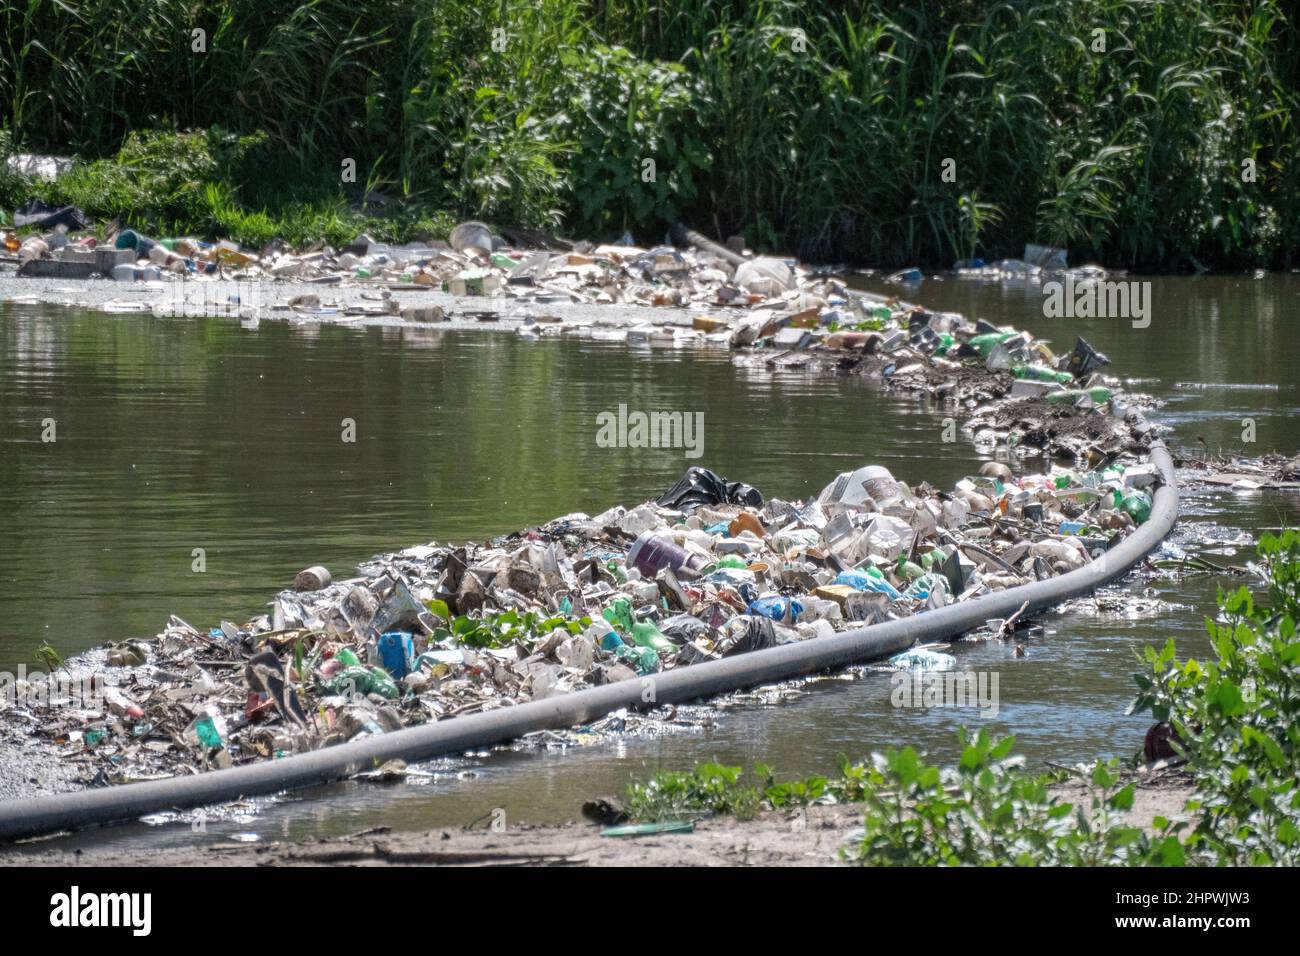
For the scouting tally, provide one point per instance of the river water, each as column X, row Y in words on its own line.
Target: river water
column 172, row 435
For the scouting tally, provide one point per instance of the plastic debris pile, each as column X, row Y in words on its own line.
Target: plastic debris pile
column 772, row 311
column 1244, row 473
column 708, row 570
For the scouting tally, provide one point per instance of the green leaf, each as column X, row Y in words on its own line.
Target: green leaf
column 1123, row 799
column 1227, row 696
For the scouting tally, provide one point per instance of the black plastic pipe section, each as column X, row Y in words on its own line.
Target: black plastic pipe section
column 66, row 811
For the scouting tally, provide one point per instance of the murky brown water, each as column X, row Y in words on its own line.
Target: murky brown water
column 175, row 435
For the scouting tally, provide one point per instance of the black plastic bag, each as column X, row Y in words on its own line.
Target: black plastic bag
column 699, row 486
column 684, row 628
column 760, row 634
column 42, row 215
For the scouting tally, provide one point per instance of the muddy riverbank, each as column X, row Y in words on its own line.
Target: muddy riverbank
column 811, row 836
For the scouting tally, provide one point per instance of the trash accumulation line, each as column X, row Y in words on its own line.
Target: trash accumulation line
column 35, row 816
column 708, row 589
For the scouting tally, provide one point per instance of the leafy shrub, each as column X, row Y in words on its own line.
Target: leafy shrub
column 709, row 789
column 620, row 112
column 988, row 811
column 1237, row 718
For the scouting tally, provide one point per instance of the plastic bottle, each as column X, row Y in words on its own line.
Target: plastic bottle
column 651, row 553
column 130, row 239
column 928, row 559
column 1099, row 394
column 984, row 344
column 1040, row 373
column 643, row 633
column 381, row 683
column 1137, row 505
column 160, row 257
column 907, row 570
column 33, row 247
column 646, row 634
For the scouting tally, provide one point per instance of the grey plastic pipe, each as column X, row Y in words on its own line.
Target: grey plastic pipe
column 685, row 235
column 66, row 811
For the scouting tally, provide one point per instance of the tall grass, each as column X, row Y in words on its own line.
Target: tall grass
column 821, row 127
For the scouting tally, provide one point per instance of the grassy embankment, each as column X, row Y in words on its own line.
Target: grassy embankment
column 1155, row 135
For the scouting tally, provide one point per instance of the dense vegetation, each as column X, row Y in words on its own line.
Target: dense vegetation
column 1235, row 720
column 1143, row 133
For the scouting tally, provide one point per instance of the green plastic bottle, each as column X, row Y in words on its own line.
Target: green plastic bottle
column 362, row 680
column 619, row 574
column 984, row 344
column 1041, row 373
column 1137, row 505
column 1099, row 394
column 206, row 730
column 384, row 685
column 907, row 570
column 641, row 659
column 646, row 634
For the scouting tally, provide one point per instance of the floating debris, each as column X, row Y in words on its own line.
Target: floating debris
column 708, row 570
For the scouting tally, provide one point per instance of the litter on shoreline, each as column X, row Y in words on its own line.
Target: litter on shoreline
column 708, row 570
column 1018, row 393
